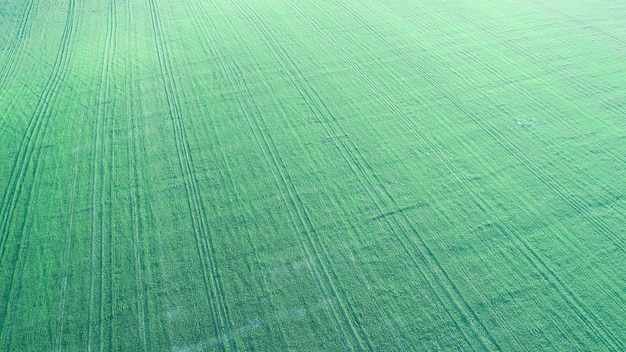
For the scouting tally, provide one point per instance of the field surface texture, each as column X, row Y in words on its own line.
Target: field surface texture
column 270, row 175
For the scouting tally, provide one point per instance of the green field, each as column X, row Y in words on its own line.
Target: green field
column 312, row 175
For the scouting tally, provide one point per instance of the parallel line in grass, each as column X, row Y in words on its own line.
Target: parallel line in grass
column 538, row 56
column 204, row 242
column 618, row 158
column 579, row 207
column 289, row 198
column 381, row 95
column 543, row 268
column 442, row 160
column 485, row 207
column 568, row 296
column 320, row 108
column 355, row 268
column 16, row 52
column 30, row 143
column 28, row 164
column 248, row 109
column 450, row 289
column 348, row 315
column 579, row 21
column 141, row 303
column 578, row 307
column 106, row 328
column 99, row 321
column 574, row 202
column 311, row 101
column 70, row 226
column 447, row 165
column 385, row 99
column 202, row 16
column 549, row 274
column 402, row 251
column 431, row 146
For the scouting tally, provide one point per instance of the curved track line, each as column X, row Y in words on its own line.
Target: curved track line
column 583, row 313
column 13, row 58
column 204, row 241
column 141, row 288
column 28, row 162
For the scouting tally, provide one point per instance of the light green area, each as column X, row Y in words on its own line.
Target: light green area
column 312, row 175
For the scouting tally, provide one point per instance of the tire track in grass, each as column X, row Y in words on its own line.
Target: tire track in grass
column 401, row 250
column 583, row 314
column 446, row 165
column 30, row 144
column 28, row 163
column 6, row 336
column 350, row 319
column 240, row 205
column 618, row 159
column 99, row 321
column 561, row 192
column 581, row 208
column 338, row 49
column 382, row 200
column 16, row 51
column 204, row 242
column 538, row 56
column 109, row 132
column 573, row 202
column 289, row 198
column 356, row 269
column 408, row 126
column 198, row 13
column 542, row 267
column 583, row 23
column 550, row 275
column 201, row 16
column 318, row 110
column 251, row 241
column 141, row 292
column 363, row 168
column 248, row 108
column 70, row 227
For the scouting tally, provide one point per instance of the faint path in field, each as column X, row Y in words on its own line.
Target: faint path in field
column 359, row 166
column 27, row 167
column 100, row 314
column 249, row 110
column 70, row 227
column 6, row 71
column 584, row 315
column 15, row 53
column 31, row 143
column 619, row 159
column 385, row 99
column 141, row 286
column 254, row 325
column 201, row 231
column 344, row 319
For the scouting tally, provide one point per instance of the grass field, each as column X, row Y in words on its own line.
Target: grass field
column 272, row 175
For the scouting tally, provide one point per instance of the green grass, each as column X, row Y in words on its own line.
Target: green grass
column 312, row 175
